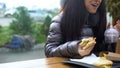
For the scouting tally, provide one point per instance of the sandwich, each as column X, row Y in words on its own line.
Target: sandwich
column 87, row 42
column 103, row 63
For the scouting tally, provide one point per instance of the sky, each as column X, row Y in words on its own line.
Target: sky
column 48, row 4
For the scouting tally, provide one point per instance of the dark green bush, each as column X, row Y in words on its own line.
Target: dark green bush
column 40, row 38
column 46, row 25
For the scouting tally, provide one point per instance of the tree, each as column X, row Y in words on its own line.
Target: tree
column 0, row 28
column 45, row 26
column 22, row 22
column 113, row 7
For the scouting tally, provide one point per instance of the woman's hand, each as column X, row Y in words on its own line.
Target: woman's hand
column 117, row 26
column 84, row 52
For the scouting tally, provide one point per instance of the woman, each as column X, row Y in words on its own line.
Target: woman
column 116, row 24
column 78, row 19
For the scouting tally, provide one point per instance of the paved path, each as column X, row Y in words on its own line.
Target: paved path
column 6, row 55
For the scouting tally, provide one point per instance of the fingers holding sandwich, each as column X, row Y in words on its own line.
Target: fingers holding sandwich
column 87, row 42
column 86, row 46
column 85, row 52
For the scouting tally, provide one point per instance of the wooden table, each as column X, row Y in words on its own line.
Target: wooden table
column 55, row 62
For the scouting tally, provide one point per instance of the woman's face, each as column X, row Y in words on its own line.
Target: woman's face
column 92, row 5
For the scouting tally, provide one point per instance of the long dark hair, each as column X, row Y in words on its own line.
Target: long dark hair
column 101, row 27
column 74, row 18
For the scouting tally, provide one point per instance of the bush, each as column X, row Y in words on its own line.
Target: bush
column 0, row 28
column 5, row 36
column 40, row 38
column 46, row 25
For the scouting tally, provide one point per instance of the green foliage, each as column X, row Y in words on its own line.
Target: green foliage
column 5, row 36
column 40, row 38
column 22, row 22
column 0, row 28
column 46, row 25
column 113, row 6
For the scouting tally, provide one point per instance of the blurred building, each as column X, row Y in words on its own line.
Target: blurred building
column 2, row 8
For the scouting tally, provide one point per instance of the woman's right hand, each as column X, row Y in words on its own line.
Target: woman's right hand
column 83, row 52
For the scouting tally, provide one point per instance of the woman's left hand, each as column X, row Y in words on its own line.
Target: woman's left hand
column 117, row 26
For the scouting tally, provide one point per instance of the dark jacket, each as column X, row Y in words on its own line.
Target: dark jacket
column 54, row 46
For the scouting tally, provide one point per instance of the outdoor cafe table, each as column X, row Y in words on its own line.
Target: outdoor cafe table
column 54, row 62
column 37, row 63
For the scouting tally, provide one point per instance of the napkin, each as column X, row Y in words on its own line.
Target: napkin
column 91, row 59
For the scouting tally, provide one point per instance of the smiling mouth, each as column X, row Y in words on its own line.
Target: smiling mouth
column 95, row 5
